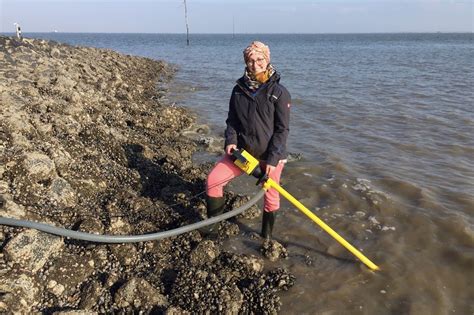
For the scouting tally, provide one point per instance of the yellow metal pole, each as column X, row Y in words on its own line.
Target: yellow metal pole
column 272, row 184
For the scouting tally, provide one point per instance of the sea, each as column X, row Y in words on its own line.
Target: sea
column 384, row 128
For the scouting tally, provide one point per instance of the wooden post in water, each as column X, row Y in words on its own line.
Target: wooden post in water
column 186, row 19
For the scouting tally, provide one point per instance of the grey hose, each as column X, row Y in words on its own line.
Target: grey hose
column 129, row 238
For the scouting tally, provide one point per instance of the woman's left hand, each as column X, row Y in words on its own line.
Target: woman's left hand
column 268, row 169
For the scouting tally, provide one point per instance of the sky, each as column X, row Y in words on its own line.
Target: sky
column 239, row 16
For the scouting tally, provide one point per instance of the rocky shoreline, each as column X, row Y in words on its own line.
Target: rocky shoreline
column 89, row 142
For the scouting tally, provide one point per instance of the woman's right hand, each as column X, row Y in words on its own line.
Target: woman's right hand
column 229, row 148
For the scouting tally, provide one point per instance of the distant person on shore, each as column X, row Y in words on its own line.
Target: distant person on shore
column 18, row 31
column 257, row 121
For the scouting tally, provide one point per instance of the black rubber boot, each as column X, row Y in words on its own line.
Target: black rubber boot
column 267, row 224
column 215, row 206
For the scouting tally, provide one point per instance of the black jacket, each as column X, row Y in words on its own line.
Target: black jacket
column 259, row 122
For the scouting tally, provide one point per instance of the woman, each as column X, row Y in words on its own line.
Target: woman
column 258, row 121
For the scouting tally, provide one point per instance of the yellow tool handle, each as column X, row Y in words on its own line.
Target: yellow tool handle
column 272, row 184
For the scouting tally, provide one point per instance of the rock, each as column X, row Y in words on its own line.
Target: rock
column 228, row 229
column 4, row 187
column 75, row 312
column 206, row 141
column 91, row 293
column 56, row 288
column 126, row 254
column 65, row 83
column 273, row 250
column 249, row 214
column 245, row 265
column 100, row 257
column 255, row 264
column 3, row 202
column 62, row 192
column 260, row 295
column 10, row 209
column 19, row 293
column 140, row 294
column 280, row 279
column 91, row 225
column 174, row 310
column 205, row 252
column 119, row 226
column 67, row 273
column 294, row 156
column 55, row 53
column 32, row 249
column 205, row 293
column 38, row 167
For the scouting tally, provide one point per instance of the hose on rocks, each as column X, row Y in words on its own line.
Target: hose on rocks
column 128, row 238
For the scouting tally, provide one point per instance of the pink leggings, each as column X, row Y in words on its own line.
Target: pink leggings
column 225, row 170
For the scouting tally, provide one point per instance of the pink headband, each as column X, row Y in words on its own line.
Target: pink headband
column 257, row 48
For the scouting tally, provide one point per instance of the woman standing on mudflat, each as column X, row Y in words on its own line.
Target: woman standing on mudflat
column 258, row 122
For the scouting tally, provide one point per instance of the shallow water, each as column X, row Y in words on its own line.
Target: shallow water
column 385, row 123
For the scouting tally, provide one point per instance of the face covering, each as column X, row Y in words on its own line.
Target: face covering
column 254, row 81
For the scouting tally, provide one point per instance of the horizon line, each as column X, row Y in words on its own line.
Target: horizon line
column 302, row 33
